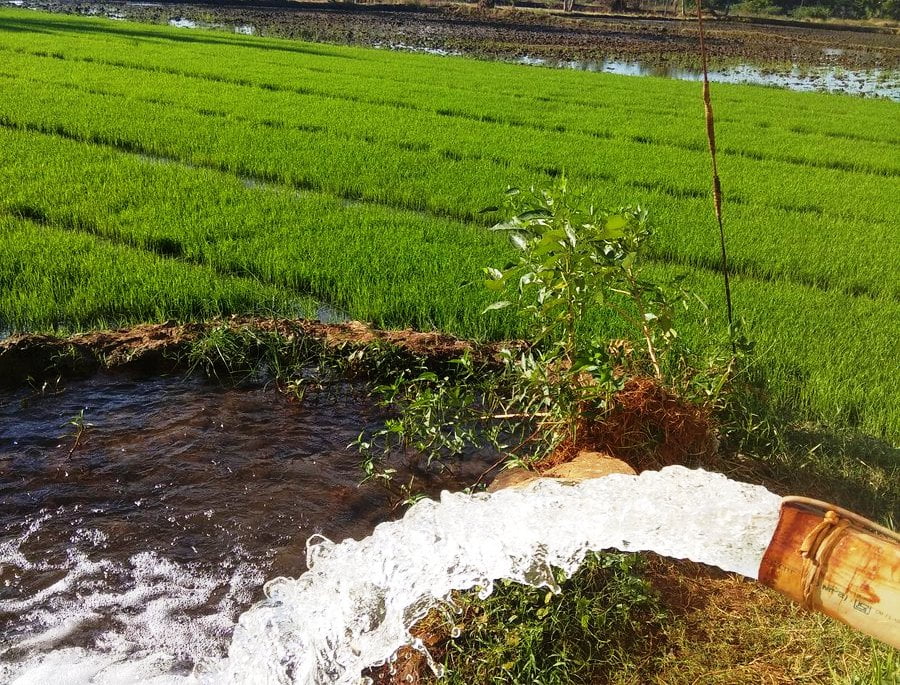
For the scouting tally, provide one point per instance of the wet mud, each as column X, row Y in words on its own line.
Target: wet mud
column 511, row 33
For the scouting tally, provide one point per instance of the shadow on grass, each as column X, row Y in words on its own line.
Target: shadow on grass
column 852, row 470
column 10, row 26
column 792, row 456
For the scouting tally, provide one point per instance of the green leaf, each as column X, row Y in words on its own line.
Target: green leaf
column 615, row 226
column 518, row 240
column 496, row 305
column 548, row 243
column 532, row 214
column 616, row 221
column 525, row 280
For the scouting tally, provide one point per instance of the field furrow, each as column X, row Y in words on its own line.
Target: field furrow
column 746, row 139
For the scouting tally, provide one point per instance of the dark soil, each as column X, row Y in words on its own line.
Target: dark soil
column 649, row 427
column 508, row 33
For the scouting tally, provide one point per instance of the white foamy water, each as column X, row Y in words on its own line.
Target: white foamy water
column 94, row 620
column 354, row 606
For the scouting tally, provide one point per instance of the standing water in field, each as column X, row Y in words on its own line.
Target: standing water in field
column 131, row 558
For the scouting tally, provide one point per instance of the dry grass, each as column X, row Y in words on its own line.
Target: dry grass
column 732, row 631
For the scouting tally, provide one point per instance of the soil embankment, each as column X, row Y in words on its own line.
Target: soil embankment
column 163, row 347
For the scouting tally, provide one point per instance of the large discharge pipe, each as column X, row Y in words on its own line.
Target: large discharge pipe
column 834, row 561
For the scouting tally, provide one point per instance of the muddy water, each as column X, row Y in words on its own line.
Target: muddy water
column 158, row 529
column 883, row 83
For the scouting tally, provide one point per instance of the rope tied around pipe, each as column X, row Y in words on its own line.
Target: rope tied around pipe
column 815, row 550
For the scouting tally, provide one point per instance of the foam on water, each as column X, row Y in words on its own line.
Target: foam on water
column 356, row 603
column 167, row 617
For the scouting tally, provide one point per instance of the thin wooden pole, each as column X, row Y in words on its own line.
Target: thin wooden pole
column 717, row 186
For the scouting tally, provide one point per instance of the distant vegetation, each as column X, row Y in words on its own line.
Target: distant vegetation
column 152, row 172
column 817, row 9
column 800, row 9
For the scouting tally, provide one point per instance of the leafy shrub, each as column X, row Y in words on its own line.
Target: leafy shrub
column 890, row 9
column 760, row 7
column 572, row 256
column 811, row 12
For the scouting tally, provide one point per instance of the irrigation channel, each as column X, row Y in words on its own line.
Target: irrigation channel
column 155, row 533
column 141, row 519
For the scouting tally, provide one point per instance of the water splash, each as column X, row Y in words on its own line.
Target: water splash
column 355, row 605
column 160, row 620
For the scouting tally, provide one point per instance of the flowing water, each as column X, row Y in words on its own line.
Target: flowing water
column 135, row 557
column 377, row 587
column 144, row 544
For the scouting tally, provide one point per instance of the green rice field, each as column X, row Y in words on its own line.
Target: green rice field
column 150, row 172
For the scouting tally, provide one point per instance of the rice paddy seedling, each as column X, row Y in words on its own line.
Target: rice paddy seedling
column 473, row 180
column 256, row 173
column 50, row 276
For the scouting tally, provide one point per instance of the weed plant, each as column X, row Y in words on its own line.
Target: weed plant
column 596, row 627
column 556, row 389
column 618, row 622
